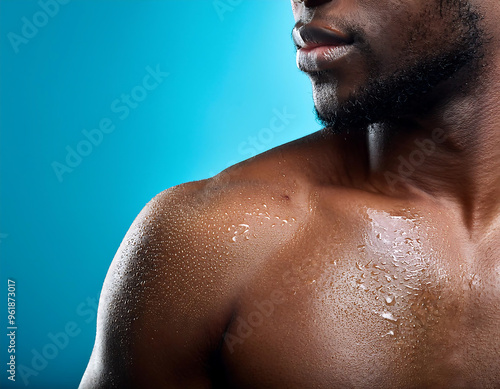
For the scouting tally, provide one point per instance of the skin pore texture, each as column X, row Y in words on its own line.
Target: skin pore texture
column 364, row 255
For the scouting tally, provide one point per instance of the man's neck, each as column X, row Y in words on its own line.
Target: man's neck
column 454, row 155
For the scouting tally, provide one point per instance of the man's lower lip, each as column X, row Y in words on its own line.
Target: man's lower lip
column 321, row 57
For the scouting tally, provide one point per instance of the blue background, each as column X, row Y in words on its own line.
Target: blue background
column 227, row 70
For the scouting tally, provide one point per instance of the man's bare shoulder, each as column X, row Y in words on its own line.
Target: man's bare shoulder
column 175, row 277
column 221, row 226
column 174, row 280
column 234, row 210
column 240, row 203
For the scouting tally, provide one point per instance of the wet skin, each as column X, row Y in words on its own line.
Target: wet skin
column 321, row 264
column 355, row 288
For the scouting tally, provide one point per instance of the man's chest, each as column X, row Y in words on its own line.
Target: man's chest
column 390, row 303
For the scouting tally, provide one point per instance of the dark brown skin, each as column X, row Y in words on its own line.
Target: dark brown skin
column 307, row 267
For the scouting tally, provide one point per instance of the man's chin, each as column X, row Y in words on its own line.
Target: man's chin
column 330, row 119
column 332, row 111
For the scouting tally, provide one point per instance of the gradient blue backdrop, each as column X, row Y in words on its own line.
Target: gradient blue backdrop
column 228, row 72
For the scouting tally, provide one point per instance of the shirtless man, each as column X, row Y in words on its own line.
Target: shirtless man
column 365, row 255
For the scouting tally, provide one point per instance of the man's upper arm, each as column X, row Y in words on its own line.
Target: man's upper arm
column 162, row 306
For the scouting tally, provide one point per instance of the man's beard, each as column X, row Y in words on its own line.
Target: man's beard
column 407, row 92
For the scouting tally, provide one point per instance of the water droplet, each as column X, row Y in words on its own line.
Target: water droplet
column 390, row 300
column 388, row 316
